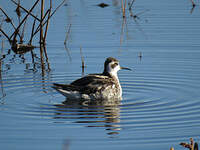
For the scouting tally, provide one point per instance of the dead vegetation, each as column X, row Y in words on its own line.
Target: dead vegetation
column 191, row 146
column 40, row 26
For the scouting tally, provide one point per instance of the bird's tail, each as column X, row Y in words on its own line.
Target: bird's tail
column 67, row 90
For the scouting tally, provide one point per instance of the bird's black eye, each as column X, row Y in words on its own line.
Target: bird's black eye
column 116, row 64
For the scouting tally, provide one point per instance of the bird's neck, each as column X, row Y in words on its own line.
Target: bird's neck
column 111, row 75
column 114, row 76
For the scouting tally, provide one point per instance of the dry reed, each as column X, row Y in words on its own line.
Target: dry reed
column 41, row 38
column 48, row 19
column 26, row 10
column 123, row 8
column 40, row 24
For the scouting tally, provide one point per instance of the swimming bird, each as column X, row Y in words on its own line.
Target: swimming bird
column 103, row 86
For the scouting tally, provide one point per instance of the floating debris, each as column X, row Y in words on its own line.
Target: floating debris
column 102, row 5
column 191, row 145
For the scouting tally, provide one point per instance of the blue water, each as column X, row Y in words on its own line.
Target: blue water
column 161, row 98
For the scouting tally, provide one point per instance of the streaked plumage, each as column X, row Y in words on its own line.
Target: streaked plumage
column 103, row 86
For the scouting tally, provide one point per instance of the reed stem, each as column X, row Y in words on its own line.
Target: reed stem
column 9, row 19
column 123, row 8
column 24, row 18
column 5, row 35
column 25, row 10
column 33, row 27
column 41, row 38
column 48, row 19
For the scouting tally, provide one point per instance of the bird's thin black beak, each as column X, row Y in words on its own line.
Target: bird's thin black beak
column 126, row 68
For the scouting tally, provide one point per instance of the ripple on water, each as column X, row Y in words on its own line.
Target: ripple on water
column 160, row 102
column 151, row 104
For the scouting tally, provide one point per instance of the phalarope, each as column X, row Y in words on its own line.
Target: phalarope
column 104, row 86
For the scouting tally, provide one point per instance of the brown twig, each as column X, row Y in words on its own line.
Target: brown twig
column 58, row 7
column 33, row 27
column 5, row 35
column 18, row 9
column 28, row 12
column 9, row 19
column 38, row 28
column 23, row 30
column 30, row 42
column 1, row 81
column 41, row 18
column 48, row 19
column 25, row 18
column 123, row 8
column 41, row 38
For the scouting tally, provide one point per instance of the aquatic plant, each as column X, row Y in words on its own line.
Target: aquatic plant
column 39, row 26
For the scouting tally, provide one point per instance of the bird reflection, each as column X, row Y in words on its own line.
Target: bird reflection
column 98, row 114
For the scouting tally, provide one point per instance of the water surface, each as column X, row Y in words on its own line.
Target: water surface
column 161, row 99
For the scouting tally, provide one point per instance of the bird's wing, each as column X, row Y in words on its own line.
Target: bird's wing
column 91, row 83
column 84, row 81
column 66, row 87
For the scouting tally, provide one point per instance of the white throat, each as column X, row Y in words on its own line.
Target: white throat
column 114, row 74
column 113, row 71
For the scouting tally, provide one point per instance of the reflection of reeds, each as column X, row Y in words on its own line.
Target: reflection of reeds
column 65, row 41
column 140, row 56
column 67, row 34
column 1, row 60
column 82, row 62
